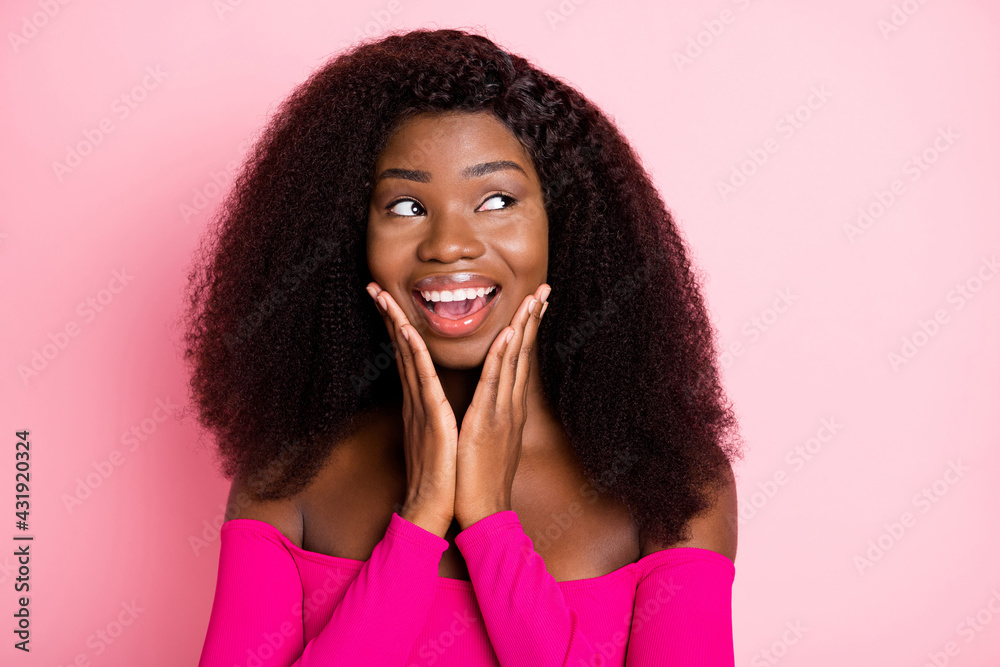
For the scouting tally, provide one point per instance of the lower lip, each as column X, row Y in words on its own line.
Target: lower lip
column 455, row 328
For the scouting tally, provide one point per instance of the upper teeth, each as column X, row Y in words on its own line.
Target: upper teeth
column 458, row 294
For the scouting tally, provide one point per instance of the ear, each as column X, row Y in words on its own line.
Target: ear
column 715, row 528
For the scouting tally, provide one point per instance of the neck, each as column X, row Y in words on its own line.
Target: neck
column 459, row 387
column 542, row 429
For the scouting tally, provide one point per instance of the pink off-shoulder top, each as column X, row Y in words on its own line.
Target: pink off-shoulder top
column 278, row 604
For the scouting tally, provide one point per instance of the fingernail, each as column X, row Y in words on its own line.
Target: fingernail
column 544, row 306
column 532, row 306
column 510, row 334
column 545, row 294
column 381, row 302
column 405, row 335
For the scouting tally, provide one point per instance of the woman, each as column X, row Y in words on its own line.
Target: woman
column 431, row 474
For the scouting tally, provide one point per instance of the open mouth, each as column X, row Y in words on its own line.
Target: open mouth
column 457, row 304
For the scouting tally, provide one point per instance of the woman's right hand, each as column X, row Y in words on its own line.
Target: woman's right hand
column 430, row 442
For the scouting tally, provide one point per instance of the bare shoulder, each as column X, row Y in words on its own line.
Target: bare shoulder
column 283, row 514
column 714, row 529
column 325, row 492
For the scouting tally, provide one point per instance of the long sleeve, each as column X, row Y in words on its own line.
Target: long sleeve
column 525, row 612
column 683, row 610
column 529, row 622
column 257, row 614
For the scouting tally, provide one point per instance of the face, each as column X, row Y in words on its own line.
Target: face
column 457, row 212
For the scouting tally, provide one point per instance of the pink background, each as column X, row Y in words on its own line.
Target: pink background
column 140, row 199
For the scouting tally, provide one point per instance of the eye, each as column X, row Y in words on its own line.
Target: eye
column 409, row 208
column 507, row 197
column 400, row 208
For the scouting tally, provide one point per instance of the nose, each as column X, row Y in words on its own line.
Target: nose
column 451, row 236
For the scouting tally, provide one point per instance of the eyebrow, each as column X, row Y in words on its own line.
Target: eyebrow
column 475, row 171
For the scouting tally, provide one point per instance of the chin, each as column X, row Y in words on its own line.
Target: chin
column 457, row 354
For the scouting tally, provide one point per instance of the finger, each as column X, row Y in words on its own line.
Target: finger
column 533, row 321
column 374, row 290
column 383, row 302
column 508, row 367
column 429, row 400
column 486, row 389
column 430, row 390
column 409, row 377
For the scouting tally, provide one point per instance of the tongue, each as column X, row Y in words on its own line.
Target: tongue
column 454, row 310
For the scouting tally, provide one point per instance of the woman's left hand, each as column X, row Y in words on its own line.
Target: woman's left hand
column 489, row 440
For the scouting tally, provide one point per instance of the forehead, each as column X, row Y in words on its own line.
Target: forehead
column 453, row 137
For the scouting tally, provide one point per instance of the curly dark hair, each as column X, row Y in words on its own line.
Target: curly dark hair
column 288, row 354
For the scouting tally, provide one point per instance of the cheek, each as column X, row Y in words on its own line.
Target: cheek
column 381, row 256
column 542, row 250
column 526, row 251
column 537, row 253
